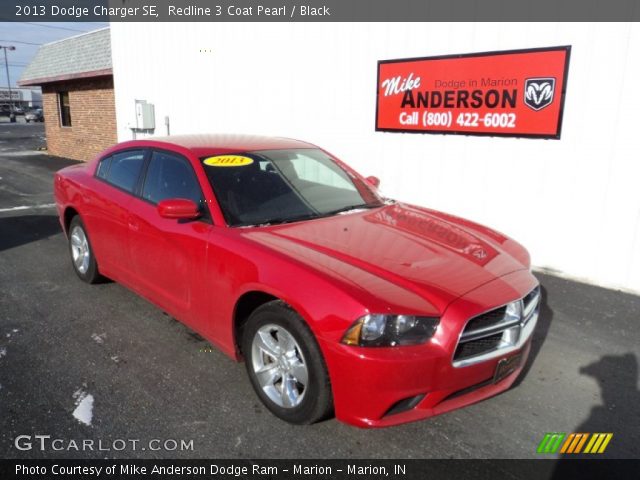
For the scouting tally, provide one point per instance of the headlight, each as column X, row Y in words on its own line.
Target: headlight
column 378, row 330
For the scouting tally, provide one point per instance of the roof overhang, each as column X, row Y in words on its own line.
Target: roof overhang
column 62, row 78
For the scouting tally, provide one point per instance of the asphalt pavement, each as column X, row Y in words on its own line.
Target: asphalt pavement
column 98, row 363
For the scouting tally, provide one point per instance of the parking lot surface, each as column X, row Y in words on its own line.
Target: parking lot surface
column 81, row 362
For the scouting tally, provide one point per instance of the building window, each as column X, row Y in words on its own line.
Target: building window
column 65, row 109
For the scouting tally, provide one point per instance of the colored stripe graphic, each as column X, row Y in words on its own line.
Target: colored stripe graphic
column 606, row 442
column 567, row 442
column 598, row 442
column 574, row 442
column 578, row 442
column 551, row 442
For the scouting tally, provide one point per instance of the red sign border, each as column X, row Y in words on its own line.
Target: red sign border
column 566, row 48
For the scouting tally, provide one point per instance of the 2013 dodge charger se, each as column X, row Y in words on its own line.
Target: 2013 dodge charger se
column 337, row 299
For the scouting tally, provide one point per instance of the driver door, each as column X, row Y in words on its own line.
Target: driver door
column 169, row 256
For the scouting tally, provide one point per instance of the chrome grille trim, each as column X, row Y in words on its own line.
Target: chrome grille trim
column 531, row 302
column 515, row 332
column 487, row 331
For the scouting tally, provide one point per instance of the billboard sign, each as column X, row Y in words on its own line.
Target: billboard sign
column 518, row 93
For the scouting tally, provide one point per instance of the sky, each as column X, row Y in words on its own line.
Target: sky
column 27, row 36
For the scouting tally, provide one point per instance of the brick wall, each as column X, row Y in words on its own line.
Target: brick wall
column 93, row 118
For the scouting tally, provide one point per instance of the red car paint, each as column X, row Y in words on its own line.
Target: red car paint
column 397, row 259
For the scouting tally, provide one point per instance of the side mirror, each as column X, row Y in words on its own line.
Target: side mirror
column 375, row 181
column 178, row 208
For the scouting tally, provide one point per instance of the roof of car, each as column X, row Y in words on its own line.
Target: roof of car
column 208, row 143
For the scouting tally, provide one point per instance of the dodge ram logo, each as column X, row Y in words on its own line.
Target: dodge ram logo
column 538, row 92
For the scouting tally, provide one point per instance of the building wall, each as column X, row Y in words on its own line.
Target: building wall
column 93, row 118
column 572, row 202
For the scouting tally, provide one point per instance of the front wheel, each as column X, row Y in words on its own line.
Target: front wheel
column 83, row 260
column 285, row 365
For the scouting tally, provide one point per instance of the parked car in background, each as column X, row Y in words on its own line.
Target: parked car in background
column 34, row 116
column 336, row 298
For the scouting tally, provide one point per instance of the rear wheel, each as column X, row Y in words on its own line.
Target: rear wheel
column 82, row 258
column 285, row 365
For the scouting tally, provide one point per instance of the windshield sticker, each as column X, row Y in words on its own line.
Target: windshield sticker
column 228, row 161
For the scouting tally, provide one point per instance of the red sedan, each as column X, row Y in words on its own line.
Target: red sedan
column 337, row 299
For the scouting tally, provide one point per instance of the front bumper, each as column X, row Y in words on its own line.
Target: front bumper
column 377, row 387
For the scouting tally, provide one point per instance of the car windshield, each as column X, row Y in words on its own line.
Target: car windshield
column 280, row 186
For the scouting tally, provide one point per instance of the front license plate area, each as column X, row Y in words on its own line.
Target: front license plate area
column 506, row 366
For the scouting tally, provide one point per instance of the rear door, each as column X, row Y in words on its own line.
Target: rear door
column 169, row 256
column 106, row 210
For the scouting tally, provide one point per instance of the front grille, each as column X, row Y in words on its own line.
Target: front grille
column 496, row 330
column 467, row 390
column 485, row 320
column 530, row 303
column 477, row 347
column 530, row 296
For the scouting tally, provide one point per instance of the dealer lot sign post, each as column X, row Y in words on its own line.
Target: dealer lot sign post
column 517, row 93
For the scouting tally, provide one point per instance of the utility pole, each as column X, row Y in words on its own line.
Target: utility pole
column 12, row 114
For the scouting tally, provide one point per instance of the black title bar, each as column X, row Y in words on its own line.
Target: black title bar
column 317, row 10
column 261, row 469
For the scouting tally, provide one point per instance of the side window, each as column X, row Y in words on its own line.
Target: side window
column 125, row 169
column 103, row 168
column 170, row 176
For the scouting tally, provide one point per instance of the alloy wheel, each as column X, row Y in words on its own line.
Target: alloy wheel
column 279, row 365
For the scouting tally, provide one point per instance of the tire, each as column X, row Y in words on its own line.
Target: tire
column 82, row 258
column 277, row 342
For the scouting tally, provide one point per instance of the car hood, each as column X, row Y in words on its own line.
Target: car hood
column 432, row 254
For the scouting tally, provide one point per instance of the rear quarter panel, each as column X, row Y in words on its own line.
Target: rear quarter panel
column 102, row 210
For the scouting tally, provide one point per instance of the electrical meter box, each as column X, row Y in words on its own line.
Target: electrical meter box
column 145, row 115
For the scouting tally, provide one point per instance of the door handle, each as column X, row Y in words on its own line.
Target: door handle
column 134, row 225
